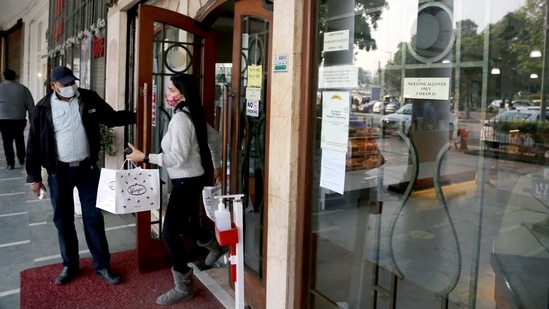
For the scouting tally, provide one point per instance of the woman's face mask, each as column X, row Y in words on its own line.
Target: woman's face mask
column 172, row 100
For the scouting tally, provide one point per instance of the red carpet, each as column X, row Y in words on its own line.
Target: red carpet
column 87, row 291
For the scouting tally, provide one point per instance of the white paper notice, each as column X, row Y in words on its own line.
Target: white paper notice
column 332, row 170
column 252, row 108
column 341, row 76
column 336, row 40
column 428, row 88
column 253, row 94
column 335, row 120
column 255, row 76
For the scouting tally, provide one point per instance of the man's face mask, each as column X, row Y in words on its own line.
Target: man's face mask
column 68, row 91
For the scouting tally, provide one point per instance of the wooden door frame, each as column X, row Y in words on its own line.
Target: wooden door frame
column 306, row 150
column 151, row 253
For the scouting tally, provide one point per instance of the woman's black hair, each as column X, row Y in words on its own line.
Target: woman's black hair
column 187, row 85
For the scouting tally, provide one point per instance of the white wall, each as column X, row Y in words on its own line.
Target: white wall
column 35, row 25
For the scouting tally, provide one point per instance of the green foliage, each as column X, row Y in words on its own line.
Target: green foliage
column 367, row 14
column 521, row 126
column 511, row 39
column 107, row 140
column 542, row 133
column 505, row 126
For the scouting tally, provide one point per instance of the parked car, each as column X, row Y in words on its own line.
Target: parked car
column 515, row 115
column 379, row 107
column 516, row 104
column 392, row 123
column 532, row 108
column 493, row 138
column 366, row 107
column 392, row 107
column 496, row 105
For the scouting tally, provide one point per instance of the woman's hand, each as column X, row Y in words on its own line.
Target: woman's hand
column 136, row 156
column 218, row 175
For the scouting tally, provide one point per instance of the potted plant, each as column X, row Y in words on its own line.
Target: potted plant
column 107, row 140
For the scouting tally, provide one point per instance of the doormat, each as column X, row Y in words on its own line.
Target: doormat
column 136, row 290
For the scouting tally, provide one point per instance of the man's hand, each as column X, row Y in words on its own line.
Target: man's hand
column 36, row 186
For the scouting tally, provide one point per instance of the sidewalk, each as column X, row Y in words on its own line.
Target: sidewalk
column 28, row 237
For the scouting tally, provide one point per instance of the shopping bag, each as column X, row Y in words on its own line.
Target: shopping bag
column 128, row 191
column 209, row 200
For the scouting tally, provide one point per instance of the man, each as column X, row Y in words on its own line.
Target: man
column 15, row 101
column 64, row 138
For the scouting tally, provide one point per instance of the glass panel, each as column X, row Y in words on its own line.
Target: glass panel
column 253, row 81
column 173, row 54
column 437, row 195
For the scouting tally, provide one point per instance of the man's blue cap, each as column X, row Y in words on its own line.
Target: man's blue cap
column 63, row 75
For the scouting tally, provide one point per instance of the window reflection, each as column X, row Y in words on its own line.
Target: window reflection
column 436, row 225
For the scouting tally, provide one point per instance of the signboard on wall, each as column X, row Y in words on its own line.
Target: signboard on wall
column 280, row 63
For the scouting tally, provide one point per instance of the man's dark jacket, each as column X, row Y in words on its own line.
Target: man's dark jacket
column 41, row 145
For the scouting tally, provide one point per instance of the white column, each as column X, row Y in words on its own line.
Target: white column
column 283, row 154
column 115, row 80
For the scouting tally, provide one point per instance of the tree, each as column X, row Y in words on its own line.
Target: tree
column 468, row 28
column 364, row 78
column 366, row 15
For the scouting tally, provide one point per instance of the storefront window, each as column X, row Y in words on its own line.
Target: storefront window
column 76, row 37
column 431, row 182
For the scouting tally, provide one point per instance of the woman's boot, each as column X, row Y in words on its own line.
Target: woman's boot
column 216, row 251
column 183, row 289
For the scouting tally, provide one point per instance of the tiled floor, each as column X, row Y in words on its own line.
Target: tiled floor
column 422, row 244
column 28, row 237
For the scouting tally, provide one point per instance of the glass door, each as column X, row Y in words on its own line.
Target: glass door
column 168, row 43
column 250, row 114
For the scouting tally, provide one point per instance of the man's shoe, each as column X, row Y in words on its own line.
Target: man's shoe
column 67, row 274
column 9, row 167
column 107, row 275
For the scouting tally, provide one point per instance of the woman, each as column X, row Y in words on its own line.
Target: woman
column 190, row 147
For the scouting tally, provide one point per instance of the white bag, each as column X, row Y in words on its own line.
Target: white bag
column 128, row 191
column 209, row 200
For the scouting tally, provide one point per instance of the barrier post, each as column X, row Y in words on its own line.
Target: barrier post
column 234, row 238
